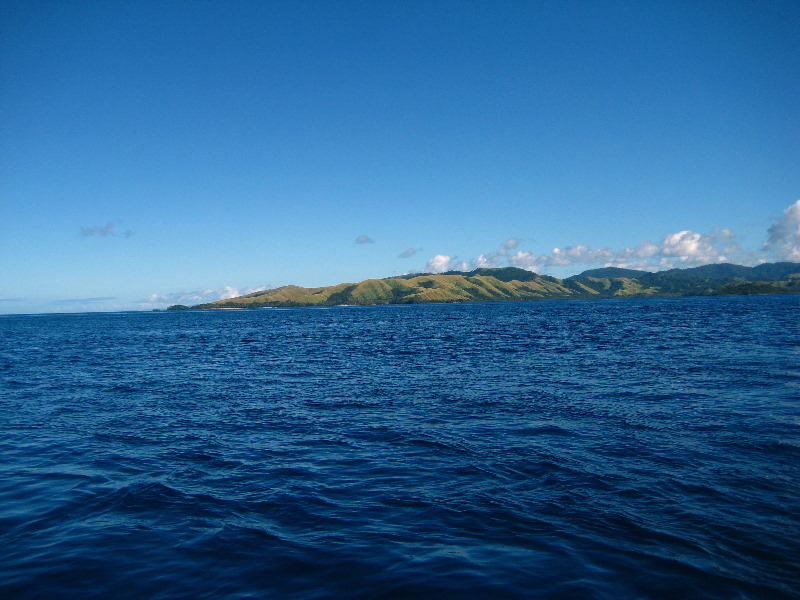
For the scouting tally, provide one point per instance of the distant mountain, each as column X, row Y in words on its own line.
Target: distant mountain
column 511, row 283
column 607, row 273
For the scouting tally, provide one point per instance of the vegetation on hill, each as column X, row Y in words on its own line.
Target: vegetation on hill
column 511, row 283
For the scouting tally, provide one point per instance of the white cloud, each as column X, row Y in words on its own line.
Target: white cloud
column 526, row 260
column 644, row 249
column 441, row 263
column 691, row 248
column 578, row 254
column 487, row 261
column 438, row 264
column 559, row 257
column 364, row 239
column 783, row 238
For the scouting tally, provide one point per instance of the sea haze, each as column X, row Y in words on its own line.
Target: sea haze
column 612, row 449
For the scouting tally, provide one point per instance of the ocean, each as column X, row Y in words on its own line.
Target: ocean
column 610, row 449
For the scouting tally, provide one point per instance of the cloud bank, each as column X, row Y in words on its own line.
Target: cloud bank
column 675, row 250
column 201, row 296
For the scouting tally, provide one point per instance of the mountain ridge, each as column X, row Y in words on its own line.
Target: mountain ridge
column 513, row 283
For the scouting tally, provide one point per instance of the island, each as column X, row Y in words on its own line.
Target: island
column 512, row 283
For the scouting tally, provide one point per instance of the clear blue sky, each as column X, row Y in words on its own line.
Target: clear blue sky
column 163, row 152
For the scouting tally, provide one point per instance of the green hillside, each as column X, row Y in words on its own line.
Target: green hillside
column 491, row 285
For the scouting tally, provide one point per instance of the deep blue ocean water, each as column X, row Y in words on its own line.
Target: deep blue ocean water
column 575, row 449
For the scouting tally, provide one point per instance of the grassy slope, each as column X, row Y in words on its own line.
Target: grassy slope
column 395, row 290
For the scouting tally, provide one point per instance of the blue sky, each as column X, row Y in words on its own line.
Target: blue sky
column 164, row 152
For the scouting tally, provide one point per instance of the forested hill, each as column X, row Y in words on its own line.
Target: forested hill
column 511, row 283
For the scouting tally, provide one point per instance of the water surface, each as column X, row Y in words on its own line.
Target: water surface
column 574, row 449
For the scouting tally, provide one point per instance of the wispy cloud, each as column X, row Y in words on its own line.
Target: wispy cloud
column 364, row 239
column 12, row 299
column 684, row 248
column 105, row 231
column 409, row 252
column 94, row 300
